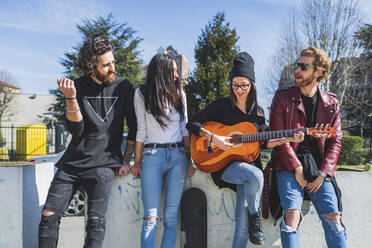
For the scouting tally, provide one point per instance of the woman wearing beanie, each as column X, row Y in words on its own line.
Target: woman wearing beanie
column 245, row 178
column 162, row 137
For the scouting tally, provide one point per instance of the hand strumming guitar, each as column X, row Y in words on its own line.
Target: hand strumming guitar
column 223, row 142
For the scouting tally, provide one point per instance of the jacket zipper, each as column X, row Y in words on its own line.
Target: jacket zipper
column 290, row 123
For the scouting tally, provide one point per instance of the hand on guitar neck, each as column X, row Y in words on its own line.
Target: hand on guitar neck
column 297, row 137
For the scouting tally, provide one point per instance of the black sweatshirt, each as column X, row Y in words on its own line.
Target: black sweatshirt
column 96, row 140
column 223, row 112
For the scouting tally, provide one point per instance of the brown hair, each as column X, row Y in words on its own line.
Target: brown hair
column 92, row 47
column 321, row 60
column 160, row 89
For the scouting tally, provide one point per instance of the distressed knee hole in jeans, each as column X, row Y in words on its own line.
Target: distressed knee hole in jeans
column 286, row 228
column 150, row 223
column 50, row 220
column 334, row 226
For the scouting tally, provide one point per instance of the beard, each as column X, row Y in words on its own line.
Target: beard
column 304, row 81
column 107, row 78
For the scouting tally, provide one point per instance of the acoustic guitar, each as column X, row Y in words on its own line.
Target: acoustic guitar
column 246, row 142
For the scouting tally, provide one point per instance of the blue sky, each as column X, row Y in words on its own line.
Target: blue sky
column 36, row 33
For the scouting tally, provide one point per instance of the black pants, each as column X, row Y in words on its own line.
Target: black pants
column 97, row 182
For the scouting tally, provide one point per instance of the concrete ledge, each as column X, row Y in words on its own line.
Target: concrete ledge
column 125, row 212
column 23, row 191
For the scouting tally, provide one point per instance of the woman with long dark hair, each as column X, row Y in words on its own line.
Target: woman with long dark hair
column 245, row 178
column 162, row 145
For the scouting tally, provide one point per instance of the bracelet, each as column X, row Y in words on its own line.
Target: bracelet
column 210, row 144
column 72, row 111
column 70, row 98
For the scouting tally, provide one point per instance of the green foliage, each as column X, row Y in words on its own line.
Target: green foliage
column 124, row 44
column 364, row 37
column 215, row 51
column 352, row 152
column 357, row 104
column 368, row 155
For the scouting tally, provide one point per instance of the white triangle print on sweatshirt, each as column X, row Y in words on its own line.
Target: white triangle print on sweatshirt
column 107, row 100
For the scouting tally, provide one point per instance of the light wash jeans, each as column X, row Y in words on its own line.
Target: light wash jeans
column 325, row 202
column 249, row 182
column 156, row 163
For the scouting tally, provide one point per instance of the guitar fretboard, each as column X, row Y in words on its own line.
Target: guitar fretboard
column 268, row 135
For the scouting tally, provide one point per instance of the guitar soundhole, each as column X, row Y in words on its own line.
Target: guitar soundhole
column 236, row 138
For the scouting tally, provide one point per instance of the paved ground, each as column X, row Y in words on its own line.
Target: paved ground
column 71, row 233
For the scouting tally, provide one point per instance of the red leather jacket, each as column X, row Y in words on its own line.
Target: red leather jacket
column 288, row 112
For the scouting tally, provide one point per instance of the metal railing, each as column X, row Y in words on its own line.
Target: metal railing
column 265, row 155
column 20, row 142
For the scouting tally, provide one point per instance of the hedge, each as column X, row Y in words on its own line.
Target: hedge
column 352, row 151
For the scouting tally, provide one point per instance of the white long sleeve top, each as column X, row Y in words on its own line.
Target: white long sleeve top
column 150, row 131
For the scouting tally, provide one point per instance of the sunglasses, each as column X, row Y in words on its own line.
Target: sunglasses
column 243, row 87
column 303, row 66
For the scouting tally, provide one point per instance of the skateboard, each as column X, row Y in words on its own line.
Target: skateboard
column 194, row 218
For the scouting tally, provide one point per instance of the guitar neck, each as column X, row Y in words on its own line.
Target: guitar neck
column 268, row 135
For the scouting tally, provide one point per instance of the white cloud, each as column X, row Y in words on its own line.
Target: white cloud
column 48, row 16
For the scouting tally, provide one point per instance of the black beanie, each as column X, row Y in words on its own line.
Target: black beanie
column 243, row 66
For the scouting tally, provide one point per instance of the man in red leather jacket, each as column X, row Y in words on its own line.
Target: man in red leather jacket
column 306, row 105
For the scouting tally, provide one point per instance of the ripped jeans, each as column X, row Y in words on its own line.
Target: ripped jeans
column 325, row 202
column 97, row 182
column 156, row 163
column 249, row 182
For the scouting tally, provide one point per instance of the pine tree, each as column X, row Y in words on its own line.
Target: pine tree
column 215, row 51
column 124, row 44
column 357, row 107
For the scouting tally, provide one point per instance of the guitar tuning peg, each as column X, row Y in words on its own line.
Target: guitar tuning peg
column 316, row 125
column 327, row 125
column 322, row 125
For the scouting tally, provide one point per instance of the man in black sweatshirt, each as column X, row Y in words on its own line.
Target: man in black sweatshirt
column 96, row 105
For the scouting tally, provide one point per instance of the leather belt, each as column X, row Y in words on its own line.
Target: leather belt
column 164, row 145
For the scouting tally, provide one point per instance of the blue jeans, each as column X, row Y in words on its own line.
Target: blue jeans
column 325, row 202
column 249, row 182
column 157, row 163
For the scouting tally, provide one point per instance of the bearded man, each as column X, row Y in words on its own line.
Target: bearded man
column 96, row 105
column 308, row 167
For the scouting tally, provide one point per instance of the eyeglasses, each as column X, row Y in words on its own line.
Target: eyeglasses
column 243, row 87
column 303, row 66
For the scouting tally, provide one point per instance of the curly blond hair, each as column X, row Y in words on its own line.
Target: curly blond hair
column 321, row 60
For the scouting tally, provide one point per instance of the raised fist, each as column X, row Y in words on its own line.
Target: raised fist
column 67, row 87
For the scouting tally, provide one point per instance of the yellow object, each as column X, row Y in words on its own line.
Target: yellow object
column 4, row 153
column 368, row 167
column 31, row 141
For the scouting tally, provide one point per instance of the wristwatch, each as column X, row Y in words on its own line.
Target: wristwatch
column 322, row 174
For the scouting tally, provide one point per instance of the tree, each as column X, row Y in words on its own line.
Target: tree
column 358, row 102
column 7, row 89
column 325, row 24
column 6, row 96
column 124, row 44
column 215, row 51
